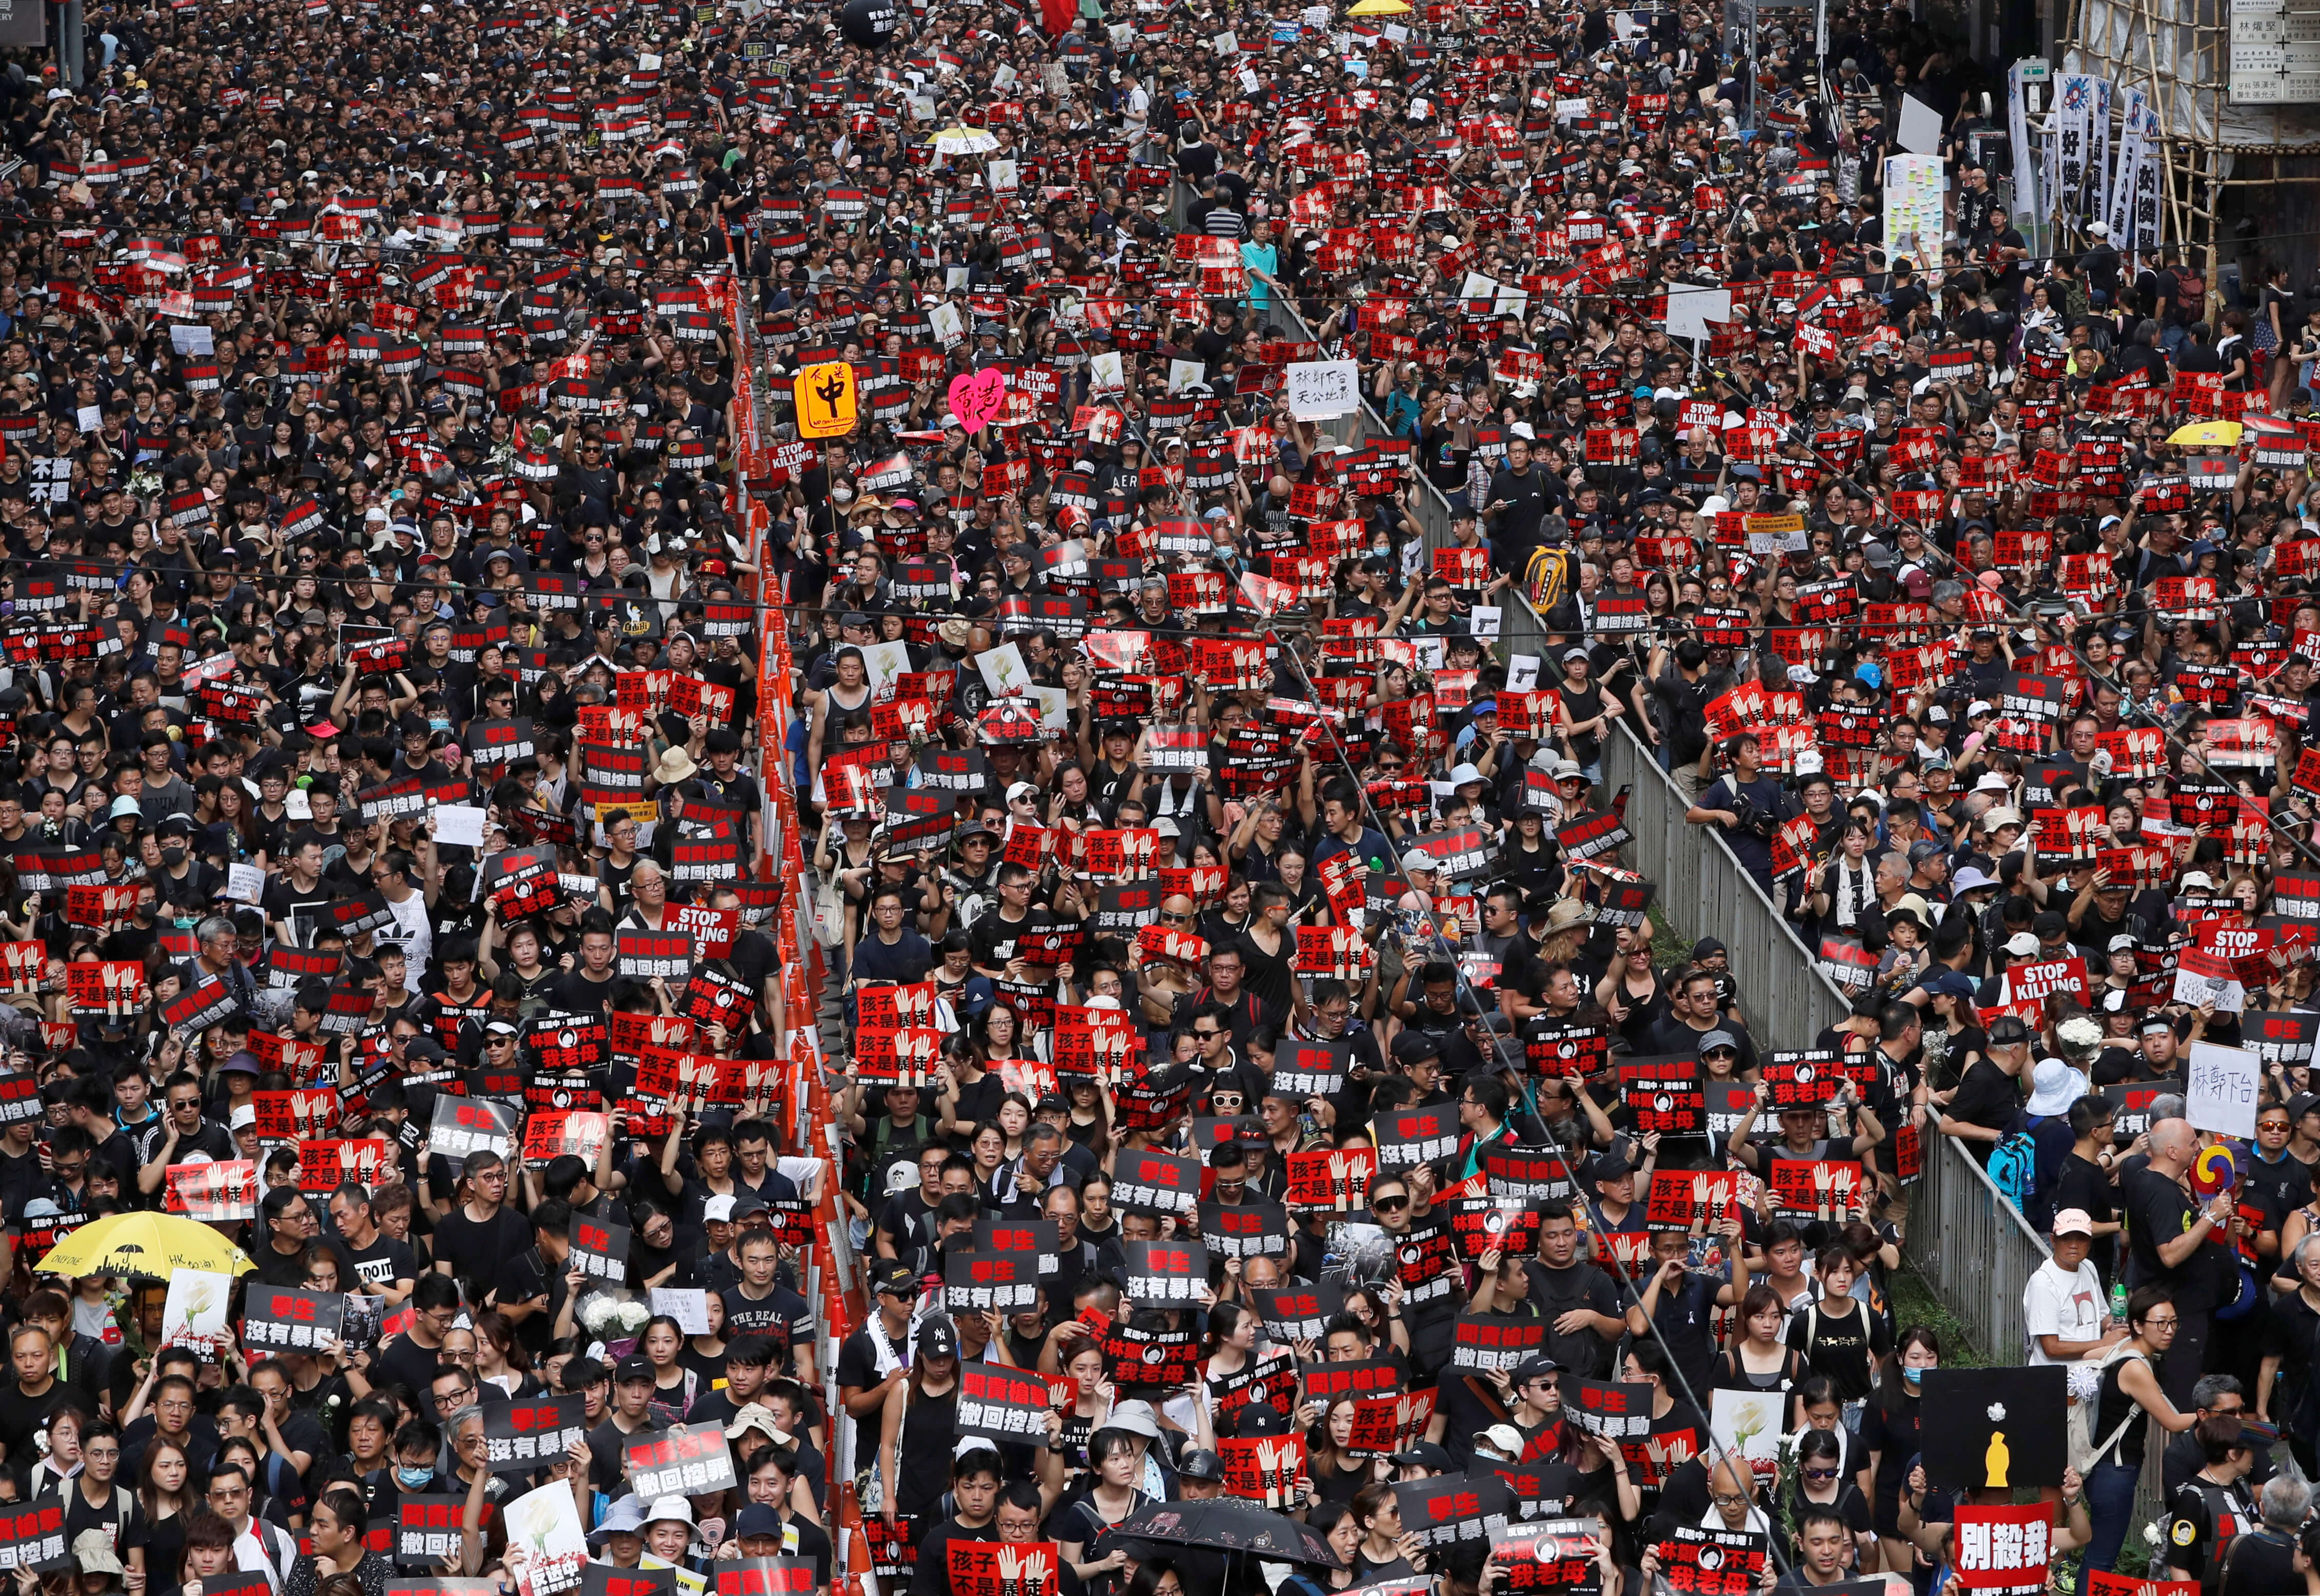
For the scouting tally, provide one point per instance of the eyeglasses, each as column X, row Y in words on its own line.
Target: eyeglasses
column 1727, row 1499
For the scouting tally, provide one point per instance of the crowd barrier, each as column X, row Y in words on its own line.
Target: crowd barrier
column 830, row 1273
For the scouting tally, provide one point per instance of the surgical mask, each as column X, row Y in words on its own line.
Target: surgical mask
column 439, row 725
column 1913, row 1376
column 412, row 1479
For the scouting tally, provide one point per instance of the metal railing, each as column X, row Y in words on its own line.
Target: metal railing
column 1783, row 995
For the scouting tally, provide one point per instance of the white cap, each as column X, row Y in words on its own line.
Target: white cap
column 2022, row 944
column 2200, row 878
column 1418, row 859
column 1022, row 790
column 1980, row 706
column 1991, row 782
column 718, row 1211
column 246, row 1114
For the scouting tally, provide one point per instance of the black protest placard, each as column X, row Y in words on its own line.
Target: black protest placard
column 1312, row 1069
column 600, row 1249
column 287, row 1319
column 1556, row 1554
column 2005, row 1427
column 1165, row 1274
column 1003, row 1403
column 1042, row 1238
column 1615, row 1410
column 645, row 954
column 1426, row 1261
column 1356, row 1377
column 1664, row 1096
column 1406, row 1137
column 1592, row 835
column 1151, row 1182
column 528, row 1434
column 995, row 1282
column 1150, row 1358
column 1528, row 1171
column 32, row 1536
column 198, row 1007
column 1300, row 1313
column 427, row 1529
column 1484, row 1341
column 1713, row 1562
column 683, row 1460
column 1452, row 1508
column 1253, row 1230
column 602, row 1578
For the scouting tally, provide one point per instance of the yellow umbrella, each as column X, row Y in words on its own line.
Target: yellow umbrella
column 1380, row 8
column 147, row 1244
column 2207, row 434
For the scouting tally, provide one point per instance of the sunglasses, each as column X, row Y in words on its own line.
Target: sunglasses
column 1391, row 1204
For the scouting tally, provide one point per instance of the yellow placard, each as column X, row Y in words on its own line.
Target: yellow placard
column 826, row 404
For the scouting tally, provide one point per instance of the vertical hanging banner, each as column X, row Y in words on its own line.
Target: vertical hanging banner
column 2119, row 211
column 2098, row 175
column 2026, row 174
column 2073, row 109
column 2146, row 185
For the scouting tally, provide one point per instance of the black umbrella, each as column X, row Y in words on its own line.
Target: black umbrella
column 1229, row 1524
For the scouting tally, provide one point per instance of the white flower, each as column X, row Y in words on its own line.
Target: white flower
column 597, row 1313
column 2079, row 1031
column 632, row 1316
column 2151, row 1532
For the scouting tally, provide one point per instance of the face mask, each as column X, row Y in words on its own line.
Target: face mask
column 1913, row 1376
column 439, row 725
column 171, row 857
column 412, row 1479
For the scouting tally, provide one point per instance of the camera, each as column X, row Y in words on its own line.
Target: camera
column 1754, row 821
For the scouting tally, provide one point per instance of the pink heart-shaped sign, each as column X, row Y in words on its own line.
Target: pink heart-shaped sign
column 977, row 399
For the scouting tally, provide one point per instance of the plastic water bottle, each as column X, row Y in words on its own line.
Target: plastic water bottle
column 2119, row 1301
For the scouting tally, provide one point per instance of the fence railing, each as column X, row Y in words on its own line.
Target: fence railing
column 1783, row 996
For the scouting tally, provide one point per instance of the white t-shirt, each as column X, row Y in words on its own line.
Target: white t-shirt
column 2056, row 1303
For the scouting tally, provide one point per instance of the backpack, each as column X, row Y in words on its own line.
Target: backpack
column 1546, row 576
column 2014, row 1168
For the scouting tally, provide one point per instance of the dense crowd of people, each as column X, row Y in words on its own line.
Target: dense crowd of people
column 518, row 523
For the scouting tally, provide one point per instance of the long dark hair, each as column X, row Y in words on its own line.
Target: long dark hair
column 1893, row 1389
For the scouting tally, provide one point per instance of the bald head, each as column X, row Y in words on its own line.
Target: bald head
column 2172, row 1144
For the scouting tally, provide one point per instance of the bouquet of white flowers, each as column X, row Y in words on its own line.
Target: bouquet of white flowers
column 631, row 1317
column 599, row 1313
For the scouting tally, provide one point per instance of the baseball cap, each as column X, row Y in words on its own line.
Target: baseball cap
column 1426, row 1455
column 938, row 1338
column 718, row 1210
column 2073, row 1222
column 757, row 1519
column 2122, row 943
column 1200, row 1464
column 1537, row 1366
column 632, row 1368
column 1719, row 1038
column 1502, row 1439
column 2007, row 1030
column 2022, row 944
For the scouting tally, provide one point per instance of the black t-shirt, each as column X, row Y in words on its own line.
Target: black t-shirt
column 382, row 1262
column 23, row 1417
column 1989, row 1097
column 932, row 1577
column 119, row 1516
column 2158, row 1210
column 476, row 1249
column 527, row 1277
column 2203, row 1518
column 608, row 1445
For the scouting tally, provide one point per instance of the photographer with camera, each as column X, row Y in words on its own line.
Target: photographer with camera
column 1749, row 805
